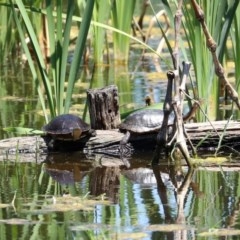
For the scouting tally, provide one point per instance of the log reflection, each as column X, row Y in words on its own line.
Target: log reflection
column 105, row 180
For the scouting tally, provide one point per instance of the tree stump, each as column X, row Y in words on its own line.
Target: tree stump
column 104, row 107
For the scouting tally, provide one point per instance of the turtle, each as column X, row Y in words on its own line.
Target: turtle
column 66, row 129
column 148, row 121
column 144, row 121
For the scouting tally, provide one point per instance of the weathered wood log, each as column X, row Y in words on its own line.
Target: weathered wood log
column 104, row 107
column 23, row 149
column 210, row 133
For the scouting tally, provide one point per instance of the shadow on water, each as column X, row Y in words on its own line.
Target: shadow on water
column 82, row 198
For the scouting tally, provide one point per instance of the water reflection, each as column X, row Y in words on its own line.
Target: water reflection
column 164, row 202
column 172, row 185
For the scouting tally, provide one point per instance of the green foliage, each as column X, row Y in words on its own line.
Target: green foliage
column 58, row 78
column 54, row 81
column 200, row 56
column 80, row 44
column 32, row 36
column 6, row 42
column 218, row 16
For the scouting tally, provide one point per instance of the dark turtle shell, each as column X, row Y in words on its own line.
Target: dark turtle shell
column 67, row 127
column 144, row 121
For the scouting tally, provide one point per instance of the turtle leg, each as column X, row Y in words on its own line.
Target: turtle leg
column 125, row 138
column 92, row 133
column 50, row 142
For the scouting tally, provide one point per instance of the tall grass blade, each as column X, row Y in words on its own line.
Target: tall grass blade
column 30, row 62
column 64, row 57
column 101, row 14
column 38, row 55
column 235, row 36
column 229, row 16
column 6, row 36
column 207, row 83
column 52, row 47
column 166, row 7
column 59, row 38
column 58, row 52
column 77, row 57
column 122, row 14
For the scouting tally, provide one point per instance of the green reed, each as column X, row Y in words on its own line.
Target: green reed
column 51, row 76
column 235, row 36
column 6, row 43
column 235, row 53
column 218, row 16
column 101, row 14
column 54, row 78
column 122, row 15
column 206, row 84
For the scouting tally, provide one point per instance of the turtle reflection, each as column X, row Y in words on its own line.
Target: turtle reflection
column 67, row 168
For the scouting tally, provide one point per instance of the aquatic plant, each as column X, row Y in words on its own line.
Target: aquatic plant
column 58, row 83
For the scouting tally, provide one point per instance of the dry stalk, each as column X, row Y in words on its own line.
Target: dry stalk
column 175, row 104
column 177, row 27
column 167, row 109
column 212, row 46
column 179, row 95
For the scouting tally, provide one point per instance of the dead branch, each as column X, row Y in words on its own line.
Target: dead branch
column 167, row 109
column 177, row 103
column 179, row 96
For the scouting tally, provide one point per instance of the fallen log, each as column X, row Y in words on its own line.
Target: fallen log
column 209, row 134
column 107, row 141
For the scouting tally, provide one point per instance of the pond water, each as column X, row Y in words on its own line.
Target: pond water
column 78, row 198
column 71, row 196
